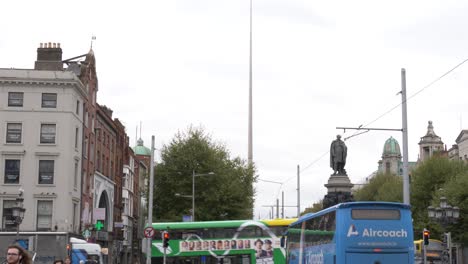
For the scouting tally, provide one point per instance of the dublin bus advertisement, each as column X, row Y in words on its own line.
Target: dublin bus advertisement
column 227, row 242
column 355, row 232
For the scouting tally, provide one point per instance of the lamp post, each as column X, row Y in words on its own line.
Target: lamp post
column 193, row 189
column 18, row 212
column 445, row 215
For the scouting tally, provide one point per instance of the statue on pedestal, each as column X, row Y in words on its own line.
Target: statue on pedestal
column 338, row 152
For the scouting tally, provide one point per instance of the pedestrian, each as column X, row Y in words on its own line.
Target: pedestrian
column 17, row 255
column 67, row 260
column 58, row 261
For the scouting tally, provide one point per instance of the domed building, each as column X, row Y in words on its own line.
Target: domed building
column 142, row 153
column 140, row 149
column 391, row 158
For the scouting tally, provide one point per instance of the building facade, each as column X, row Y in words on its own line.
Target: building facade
column 70, row 158
column 41, row 152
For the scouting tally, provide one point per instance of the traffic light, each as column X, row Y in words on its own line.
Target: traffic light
column 426, row 235
column 165, row 239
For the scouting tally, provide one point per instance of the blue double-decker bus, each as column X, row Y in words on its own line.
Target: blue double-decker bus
column 355, row 232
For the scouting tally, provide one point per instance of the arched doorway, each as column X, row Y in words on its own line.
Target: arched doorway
column 104, row 203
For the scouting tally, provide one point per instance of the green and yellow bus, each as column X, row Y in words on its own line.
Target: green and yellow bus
column 226, row 242
column 434, row 251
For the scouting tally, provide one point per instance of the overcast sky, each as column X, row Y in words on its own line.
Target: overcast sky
column 316, row 65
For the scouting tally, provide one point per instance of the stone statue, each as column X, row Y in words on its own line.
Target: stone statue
column 338, row 151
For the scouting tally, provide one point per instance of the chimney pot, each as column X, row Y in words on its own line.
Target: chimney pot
column 49, row 57
column 40, row 45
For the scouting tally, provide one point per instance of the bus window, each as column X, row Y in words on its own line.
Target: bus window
column 376, row 214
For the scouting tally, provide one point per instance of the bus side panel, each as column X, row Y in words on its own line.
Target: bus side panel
column 378, row 258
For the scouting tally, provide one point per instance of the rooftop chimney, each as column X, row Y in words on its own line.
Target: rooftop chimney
column 49, row 57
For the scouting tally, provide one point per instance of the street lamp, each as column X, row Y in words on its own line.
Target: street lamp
column 193, row 189
column 445, row 215
column 18, row 212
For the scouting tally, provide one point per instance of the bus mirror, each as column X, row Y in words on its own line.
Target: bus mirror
column 282, row 242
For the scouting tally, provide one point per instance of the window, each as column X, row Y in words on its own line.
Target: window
column 98, row 162
column 46, row 172
column 85, row 147
column 15, row 99
column 75, row 178
column 376, row 214
column 12, row 171
column 78, row 107
column 48, row 134
column 14, row 133
column 49, row 100
column 44, row 215
column 8, row 222
column 77, row 132
column 74, row 221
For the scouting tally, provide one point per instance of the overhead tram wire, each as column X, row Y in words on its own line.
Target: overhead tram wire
column 279, row 188
column 385, row 113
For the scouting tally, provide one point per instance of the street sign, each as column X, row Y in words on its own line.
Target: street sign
column 98, row 225
column 149, row 232
column 86, row 233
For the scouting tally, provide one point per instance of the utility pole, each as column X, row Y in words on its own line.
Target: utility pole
column 404, row 112
column 298, row 192
column 282, row 204
column 404, row 130
column 150, row 202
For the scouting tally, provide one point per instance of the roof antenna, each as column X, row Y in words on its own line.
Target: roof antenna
column 136, row 136
column 93, row 38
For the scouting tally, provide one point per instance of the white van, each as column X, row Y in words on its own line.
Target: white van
column 83, row 252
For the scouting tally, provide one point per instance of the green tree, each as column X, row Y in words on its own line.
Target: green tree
column 457, row 195
column 228, row 194
column 314, row 208
column 426, row 181
column 382, row 187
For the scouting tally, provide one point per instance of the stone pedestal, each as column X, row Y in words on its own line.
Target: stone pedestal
column 339, row 190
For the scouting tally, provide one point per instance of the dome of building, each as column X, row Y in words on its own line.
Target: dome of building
column 391, row 148
column 139, row 149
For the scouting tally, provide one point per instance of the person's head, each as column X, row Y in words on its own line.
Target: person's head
column 233, row 244
column 67, row 260
column 247, row 243
column 268, row 244
column 240, row 244
column 16, row 254
column 338, row 137
column 58, row 261
column 258, row 243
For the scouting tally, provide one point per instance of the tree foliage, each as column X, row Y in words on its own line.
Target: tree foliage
column 427, row 182
column 382, row 187
column 228, row 194
column 456, row 191
column 314, row 208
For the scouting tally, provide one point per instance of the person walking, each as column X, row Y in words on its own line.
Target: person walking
column 17, row 255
